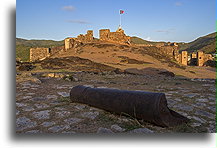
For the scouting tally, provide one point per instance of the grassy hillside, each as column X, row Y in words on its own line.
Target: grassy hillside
column 39, row 43
column 22, row 52
column 23, row 46
column 206, row 43
column 137, row 40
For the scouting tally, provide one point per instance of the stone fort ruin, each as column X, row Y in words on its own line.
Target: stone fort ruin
column 40, row 53
column 105, row 35
column 195, row 59
column 117, row 37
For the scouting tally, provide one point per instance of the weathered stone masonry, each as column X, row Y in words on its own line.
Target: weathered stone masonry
column 170, row 49
column 118, row 36
column 196, row 59
column 39, row 53
column 105, row 35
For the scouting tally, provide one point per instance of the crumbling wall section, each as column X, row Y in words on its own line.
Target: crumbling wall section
column 117, row 37
column 69, row 43
column 89, row 36
column 37, row 54
column 104, row 34
column 208, row 57
column 72, row 43
column 169, row 50
column 184, row 58
column 200, row 58
column 86, row 38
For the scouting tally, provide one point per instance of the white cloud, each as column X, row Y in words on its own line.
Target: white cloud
column 166, row 31
column 163, row 31
column 178, row 4
column 68, row 8
column 78, row 21
column 147, row 38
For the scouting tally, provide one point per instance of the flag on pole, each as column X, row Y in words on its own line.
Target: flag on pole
column 121, row 11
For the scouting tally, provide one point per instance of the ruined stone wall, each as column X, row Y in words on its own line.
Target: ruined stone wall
column 39, row 53
column 56, row 49
column 200, row 58
column 159, row 44
column 169, row 50
column 118, row 36
column 179, row 58
column 184, row 58
column 86, row 38
column 194, row 55
column 68, row 43
column 104, row 34
column 81, row 37
column 72, row 43
column 193, row 60
column 196, row 59
column 208, row 57
column 89, row 36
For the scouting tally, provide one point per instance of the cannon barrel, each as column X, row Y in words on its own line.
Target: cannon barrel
column 149, row 106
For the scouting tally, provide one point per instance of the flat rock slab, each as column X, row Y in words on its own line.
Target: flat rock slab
column 199, row 119
column 117, row 128
column 38, row 99
column 47, row 124
column 191, row 95
column 90, row 115
column 52, row 97
column 63, row 94
column 24, row 123
column 69, row 132
column 28, row 108
column 205, row 114
column 141, row 131
column 20, row 104
column 73, row 120
column 203, row 100
column 42, row 114
column 58, row 128
column 33, row 132
column 61, row 114
column 79, row 107
column 40, row 106
column 183, row 107
column 27, row 97
column 102, row 130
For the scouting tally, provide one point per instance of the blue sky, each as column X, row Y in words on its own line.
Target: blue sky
column 156, row 20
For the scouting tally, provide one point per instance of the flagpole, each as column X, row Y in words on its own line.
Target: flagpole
column 120, row 19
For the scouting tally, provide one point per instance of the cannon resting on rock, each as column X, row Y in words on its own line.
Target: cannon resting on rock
column 149, row 106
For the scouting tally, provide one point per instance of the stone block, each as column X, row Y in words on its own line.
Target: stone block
column 37, row 54
column 200, row 58
column 184, row 58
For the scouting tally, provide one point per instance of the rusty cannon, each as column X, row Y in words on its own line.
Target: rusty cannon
column 149, row 106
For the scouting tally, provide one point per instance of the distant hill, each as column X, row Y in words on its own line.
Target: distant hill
column 39, row 43
column 23, row 46
column 206, row 43
column 137, row 40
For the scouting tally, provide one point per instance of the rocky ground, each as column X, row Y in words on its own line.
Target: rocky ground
column 43, row 104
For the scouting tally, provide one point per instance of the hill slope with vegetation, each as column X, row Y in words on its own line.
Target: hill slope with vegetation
column 23, row 46
column 137, row 40
column 206, row 43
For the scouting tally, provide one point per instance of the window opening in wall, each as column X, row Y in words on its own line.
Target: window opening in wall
column 49, row 50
